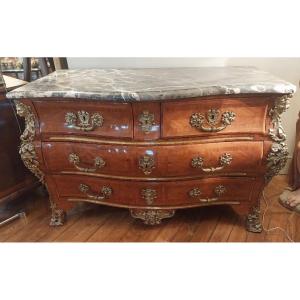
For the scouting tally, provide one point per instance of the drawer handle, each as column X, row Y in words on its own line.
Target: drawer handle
column 218, row 190
column 146, row 120
column 197, row 120
column 146, row 164
column 83, row 121
column 149, row 195
column 224, row 160
column 106, row 192
column 75, row 160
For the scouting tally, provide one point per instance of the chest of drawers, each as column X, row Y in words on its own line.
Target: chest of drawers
column 155, row 140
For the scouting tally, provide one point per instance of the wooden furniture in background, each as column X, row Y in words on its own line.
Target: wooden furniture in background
column 43, row 65
column 15, row 178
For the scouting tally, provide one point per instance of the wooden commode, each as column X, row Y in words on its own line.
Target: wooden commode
column 155, row 140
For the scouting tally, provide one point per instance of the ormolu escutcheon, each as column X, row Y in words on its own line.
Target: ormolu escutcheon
column 146, row 164
column 83, row 121
column 146, row 120
column 149, row 195
column 198, row 120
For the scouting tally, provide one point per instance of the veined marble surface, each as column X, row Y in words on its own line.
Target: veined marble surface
column 153, row 84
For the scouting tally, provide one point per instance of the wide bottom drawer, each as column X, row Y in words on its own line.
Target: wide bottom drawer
column 151, row 194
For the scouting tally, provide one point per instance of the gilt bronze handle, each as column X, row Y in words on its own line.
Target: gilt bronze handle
column 196, row 193
column 197, row 120
column 83, row 121
column 75, row 160
column 146, row 121
column 105, row 193
column 224, row 160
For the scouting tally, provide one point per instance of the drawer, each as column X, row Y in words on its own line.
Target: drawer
column 155, row 161
column 85, row 118
column 141, row 193
column 214, row 117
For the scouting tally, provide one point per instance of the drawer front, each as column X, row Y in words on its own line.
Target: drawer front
column 85, row 118
column 180, row 193
column 155, row 161
column 213, row 117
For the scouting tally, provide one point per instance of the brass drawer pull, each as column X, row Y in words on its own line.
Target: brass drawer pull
column 196, row 193
column 149, row 195
column 106, row 192
column 224, row 160
column 146, row 164
column 146, row 121
column 83, row 121
column 75, row 160
column 197, row 120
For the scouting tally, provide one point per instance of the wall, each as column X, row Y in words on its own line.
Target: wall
column 285, row 68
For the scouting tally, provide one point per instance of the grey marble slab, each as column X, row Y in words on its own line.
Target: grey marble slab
column 153, row 84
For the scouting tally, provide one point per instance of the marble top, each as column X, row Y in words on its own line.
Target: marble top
column 153, row 84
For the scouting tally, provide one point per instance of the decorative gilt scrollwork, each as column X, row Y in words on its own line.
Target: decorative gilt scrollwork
column 146, row 121
column 253, row 221
column 197, row 120
column 146, row 164
column 220, row 190
column 75, row 160
column 196, row 193
column 83, row 121
column 149, row 195
column 278, row 154
column 152, row 216
column 224, row 160
column 276, row 159
column 106, row 192
column 27, row 149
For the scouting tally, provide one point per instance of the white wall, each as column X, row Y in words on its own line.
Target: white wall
column 285, row 68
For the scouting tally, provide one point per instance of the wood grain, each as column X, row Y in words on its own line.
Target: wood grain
column 117, row 118
column 122, row 160
column 250, row 116
column 105, row 224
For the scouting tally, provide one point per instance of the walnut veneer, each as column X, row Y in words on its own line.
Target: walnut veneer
column 154, row 157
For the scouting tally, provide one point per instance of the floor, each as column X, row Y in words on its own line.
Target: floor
column 92, row 223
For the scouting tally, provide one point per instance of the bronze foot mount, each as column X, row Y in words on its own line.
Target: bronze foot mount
column 58, row 217
column 152, row 216
column 253, row 223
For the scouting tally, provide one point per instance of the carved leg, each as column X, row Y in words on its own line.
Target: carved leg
column 58, row 216
column 253, row 223
column 152, row 216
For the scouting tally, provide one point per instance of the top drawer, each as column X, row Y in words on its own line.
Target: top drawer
column 85, row 118
column 213, row 117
